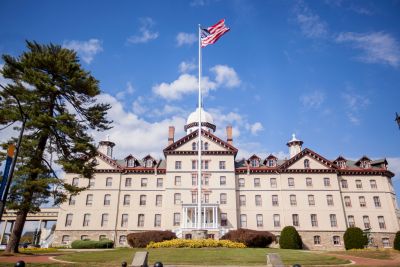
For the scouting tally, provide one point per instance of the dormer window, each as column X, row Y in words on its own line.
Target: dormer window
column 365, row 164
column 342, row 164
column 254, row 162
column 271, row 163
column 306, row 164
column 130, row 163
column 149, row 163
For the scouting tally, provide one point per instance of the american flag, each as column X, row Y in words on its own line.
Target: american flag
column 213, row 33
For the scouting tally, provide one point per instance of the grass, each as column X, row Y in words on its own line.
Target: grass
column 380, row 254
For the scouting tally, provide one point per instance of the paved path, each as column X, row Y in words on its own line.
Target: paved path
column 359, row 261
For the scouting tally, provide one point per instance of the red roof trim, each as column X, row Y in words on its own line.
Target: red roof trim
column 311, row 153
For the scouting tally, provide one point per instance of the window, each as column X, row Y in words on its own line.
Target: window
column 336, row 240
column 311, row 200
column 290, row 182
column 75, row 181
column 68, row 219
column 373, row 184
column 65, row 239
column 308, row 182
column 84, row 237
column 344, row 184
column 122, row 240
column 143, row 182
column 258, row 200
column 89, row 200
column 127, row 200
column 157, row 220
column 314, row 221
column 206, row 198
column 177, row 180
column 293, row 201
column 91, row 182
column 158, row 200
column 257, row 182
column 306, row 164
column 273, row 182
column 333, row 220
column 140, row 220
column 241, row 182
column 377, row 202
column 277, row 220
column 205, row 162
column 275, row 200
column 347, row 201
column 254, row 162
column 194, row 146
column 194, row 196
column 259, row 218
column 205, row 180
column 222, row 165
column 149, row 163
column 295, row 219
column 329, row 200
column 104, row 219
column 350, row 220
column 124, row 220
column 177, row 219
column 178, row 165
column 362, row 201
column 128, row 182
column 222, row 198
column 381, row 222
column 142, row 201
column 107, row 200
column 327, row 182
column 205, row 146
column 109, row 181
column 366, row 222
column 224, row 219
column 386, row 242
column 271, row 163
column 243, row 220
column 194, row 179
column 159, row 182
column 177, row 198
column 317, row 240
column 86, row 219
column 222, row 180
column 130, row 163
column 358, row 184
column 194, row 164
column 242, row 200
column 72, row 199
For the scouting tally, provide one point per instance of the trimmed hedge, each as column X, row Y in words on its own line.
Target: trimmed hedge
column 251, row 238
column 396, row 242
column 354, row 238
column 199, row 243
column 105, row 243
column 290, row 238
column 142, row 239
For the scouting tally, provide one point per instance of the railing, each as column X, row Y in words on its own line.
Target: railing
column 204, row 225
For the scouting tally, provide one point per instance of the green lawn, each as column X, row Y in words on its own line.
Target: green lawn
column 204, row 256
column 381, row 254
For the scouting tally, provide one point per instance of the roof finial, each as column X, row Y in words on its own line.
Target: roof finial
column 108, row 137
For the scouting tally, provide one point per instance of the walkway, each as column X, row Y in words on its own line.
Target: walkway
column 359, row 261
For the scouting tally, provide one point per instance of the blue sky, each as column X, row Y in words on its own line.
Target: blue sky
column 328, row 71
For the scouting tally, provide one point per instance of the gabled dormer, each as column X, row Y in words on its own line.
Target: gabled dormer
column 271, row 161
column 131, row 161
column 341, row 162
column 149, row 161
column 254, row 161
column 364, row 162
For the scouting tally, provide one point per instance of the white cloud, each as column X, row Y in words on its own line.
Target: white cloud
column 184, row 38
column 129, row 90
column 198, row 2
column 168, row 110
column 145, row 31
column 394, row 166
column 138, row 106
column 255, row 128
column 226, row 76
column 311, row 24
column 354, row 104
column 313, row 100
column 376, row 47
column 85, row 49
column 185, row 67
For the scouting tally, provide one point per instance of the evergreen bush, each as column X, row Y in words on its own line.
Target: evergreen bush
column 354, row 238
column 84, row 244
column 142, row 239
column 251, row 238
column 290, row 238
column 396, row 242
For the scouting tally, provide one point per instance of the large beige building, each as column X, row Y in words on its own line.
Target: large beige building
column 320, row 197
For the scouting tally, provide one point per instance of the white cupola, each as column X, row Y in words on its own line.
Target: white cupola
column 106, row 147
column 294, row 146
column 207, row 122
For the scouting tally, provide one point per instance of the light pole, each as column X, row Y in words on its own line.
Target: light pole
column 397, row 119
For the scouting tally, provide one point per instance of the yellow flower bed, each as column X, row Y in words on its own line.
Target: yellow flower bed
column 33, row 249
column 199, row 243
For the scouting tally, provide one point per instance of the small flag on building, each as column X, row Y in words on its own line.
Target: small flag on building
column 213, row 33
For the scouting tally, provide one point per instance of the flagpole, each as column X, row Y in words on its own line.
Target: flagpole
column 199, row 220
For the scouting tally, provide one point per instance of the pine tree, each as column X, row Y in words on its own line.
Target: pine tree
column 49, row 88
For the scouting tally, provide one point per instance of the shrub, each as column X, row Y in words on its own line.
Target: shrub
column 354, row 237
column 251, row 238
column 142, row 239
column 290, row 238
column 396, row 242
column 104, row 243
column 199, row 243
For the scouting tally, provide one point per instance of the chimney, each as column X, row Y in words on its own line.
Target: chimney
column 171, row 133
column 229, row 134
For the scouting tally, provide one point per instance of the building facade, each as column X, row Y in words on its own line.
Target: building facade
column 320, row 197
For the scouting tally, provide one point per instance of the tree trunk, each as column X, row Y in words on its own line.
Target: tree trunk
column 12, row 245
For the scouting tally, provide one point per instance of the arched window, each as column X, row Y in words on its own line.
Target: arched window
column 205, row 146
column 109, row 181
column 306, row 163
column 107, row 200
column 194, row 147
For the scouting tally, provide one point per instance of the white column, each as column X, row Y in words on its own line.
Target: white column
column 184, row 217
column 215, row 217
